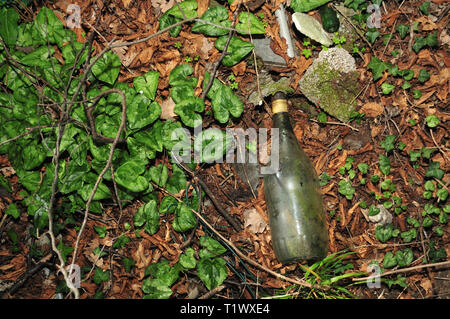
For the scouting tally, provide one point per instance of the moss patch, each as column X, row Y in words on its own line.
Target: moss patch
column 333, row 90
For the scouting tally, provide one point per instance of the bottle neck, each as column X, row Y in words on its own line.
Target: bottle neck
column 282, row 120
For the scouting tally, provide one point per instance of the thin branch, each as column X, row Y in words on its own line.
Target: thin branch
column 299, row 282
column 224, row 52
column 210, row 194
column 105, row 169
column 30, row 130
column 444, row 263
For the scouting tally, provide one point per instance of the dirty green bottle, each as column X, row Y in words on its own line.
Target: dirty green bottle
column 293, row 197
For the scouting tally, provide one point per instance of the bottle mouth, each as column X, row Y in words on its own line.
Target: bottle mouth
column 279, row 96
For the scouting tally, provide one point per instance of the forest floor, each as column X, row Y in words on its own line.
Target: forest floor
column 396, row 126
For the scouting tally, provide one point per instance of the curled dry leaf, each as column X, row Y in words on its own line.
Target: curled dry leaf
column 254, row 221
column 372, row 109
column 163, row 5
column 167, row 109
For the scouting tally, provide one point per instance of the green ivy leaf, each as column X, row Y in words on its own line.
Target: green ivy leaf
column 212, row 248
column 384, row 233
column 403, row 30
column 187, row 259
column 147, row 214
column 346, row 189
column 237, row 49
column 142, row 112
column 385, row 164
column 389, row 260
column 65, row 250
column 388, row 143
column 434, row 170
column 174, row 15
column 432, row 120
column 168, row 205
column 424, row 7
column 423, row 75
column 155, row 289
column 13, row 211
column 8, row 26
column 100, row 275
column 128, row 176
column 33, row 155
column 248, row 22
column 217, row 15
column 377, row 67
column 189, row 7
column 38, row 57
column 308, row 5
column 212, row 271
column 405, row 257
column 180, row 93
column 101, row 231
column 188, row 110
column 387, row 88
column 372, row 34
column 85, row 191
column 179, row 76
column 166, row 274
column 427, row 221
column 184, row 218
column 107, row 68
column 211, row 144
column 128, row 263
column 47, row 27
column 408, row 236
column 177, row 181
column 173, row 134
column 225, row 102
column 159, row 174
column 147, row 84
column 407, row 74
column 71, row 50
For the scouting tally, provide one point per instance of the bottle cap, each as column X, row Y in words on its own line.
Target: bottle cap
column 279, row 96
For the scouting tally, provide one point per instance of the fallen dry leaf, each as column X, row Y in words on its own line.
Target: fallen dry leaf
column 254, row 221
column 163, row 5
column 372, row 109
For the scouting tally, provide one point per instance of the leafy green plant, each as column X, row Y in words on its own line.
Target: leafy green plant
column 211, row 269
column 333, row 271
column 432, row 120
column 424, row 7
column 82, row 156
column 403, row 30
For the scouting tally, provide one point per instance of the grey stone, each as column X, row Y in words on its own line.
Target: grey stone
column 332, row 82
column 311, row 28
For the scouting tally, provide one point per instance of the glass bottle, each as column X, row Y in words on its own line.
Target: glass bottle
column 293, row 197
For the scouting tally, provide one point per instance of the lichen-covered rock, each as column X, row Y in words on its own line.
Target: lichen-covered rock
column 332, row 83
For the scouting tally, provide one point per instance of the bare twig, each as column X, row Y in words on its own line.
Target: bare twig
column 224, row 52
column 212, row 292
column 444, row 263
column 29, row 131
column 299, row 282
column 105, row 169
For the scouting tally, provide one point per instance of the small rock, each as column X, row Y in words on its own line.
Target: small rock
column 384, row 217
column 311, row 28
column 332, row 83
